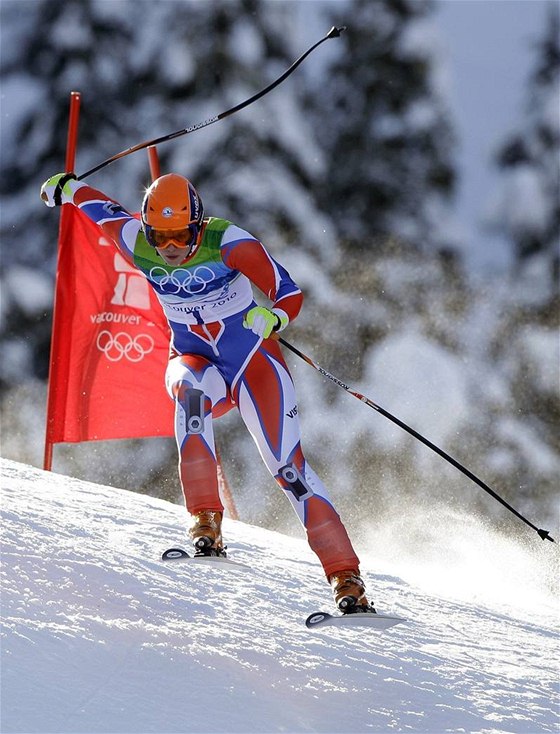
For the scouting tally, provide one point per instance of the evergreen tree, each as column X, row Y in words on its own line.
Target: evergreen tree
column 387, row 142
column 525, row 347
column 528, row 209
column 383, row 121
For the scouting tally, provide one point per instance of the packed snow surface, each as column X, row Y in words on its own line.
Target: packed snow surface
column 99, row 635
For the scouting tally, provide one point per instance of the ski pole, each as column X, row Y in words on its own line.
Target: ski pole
column 333, row 33
column 544, row 534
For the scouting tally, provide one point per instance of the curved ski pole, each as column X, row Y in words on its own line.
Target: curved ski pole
column 333, row 33
column 544, row 534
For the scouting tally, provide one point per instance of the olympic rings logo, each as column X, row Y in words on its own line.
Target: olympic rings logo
column 123, row 346
column 192, row 282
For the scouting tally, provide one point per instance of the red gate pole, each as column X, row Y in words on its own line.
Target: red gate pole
column 71, row 145
column 154, row 162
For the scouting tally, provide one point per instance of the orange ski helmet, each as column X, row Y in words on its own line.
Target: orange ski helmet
column 172, row 203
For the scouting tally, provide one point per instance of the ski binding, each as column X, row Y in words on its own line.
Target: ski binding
column 358, row 619
column 178, row 554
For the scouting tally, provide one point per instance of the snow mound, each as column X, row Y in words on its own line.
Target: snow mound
column 100, row 636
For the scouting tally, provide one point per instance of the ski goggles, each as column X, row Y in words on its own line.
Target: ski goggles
column 162, row 239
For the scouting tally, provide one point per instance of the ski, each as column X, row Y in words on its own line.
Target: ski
column 178, row 554
column 359, row 619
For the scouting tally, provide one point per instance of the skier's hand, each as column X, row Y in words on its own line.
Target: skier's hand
column 54, row 187
column 263, row 321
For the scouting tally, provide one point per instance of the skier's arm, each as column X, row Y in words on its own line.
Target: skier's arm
column 249, row 256
column 118, row 224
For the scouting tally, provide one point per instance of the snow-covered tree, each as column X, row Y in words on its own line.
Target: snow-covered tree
column 384, row 121
column 527, row 209
column 525, row 347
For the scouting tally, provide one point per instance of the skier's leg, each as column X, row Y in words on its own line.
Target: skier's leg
column 267, row 402
column 197, row 388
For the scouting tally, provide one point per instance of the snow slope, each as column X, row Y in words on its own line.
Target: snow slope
column 100, row 636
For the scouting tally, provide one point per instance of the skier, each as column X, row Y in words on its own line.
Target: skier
column 223, row 353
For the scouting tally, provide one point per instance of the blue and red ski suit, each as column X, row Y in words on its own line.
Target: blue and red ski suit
column 219, row 364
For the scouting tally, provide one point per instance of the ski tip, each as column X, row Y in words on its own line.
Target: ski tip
column 316, row 619
column 174, row 554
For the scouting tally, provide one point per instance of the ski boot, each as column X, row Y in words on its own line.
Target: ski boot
column 206, row 533
column 349, row 592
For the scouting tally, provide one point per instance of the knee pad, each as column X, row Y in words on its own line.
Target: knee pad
column 292, row 481
column 190, row 409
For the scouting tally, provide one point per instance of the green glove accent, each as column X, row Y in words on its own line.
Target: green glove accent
column 263, row 321
column 54, row 187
